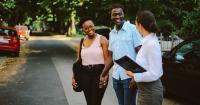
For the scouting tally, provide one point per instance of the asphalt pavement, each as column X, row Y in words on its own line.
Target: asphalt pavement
column 45, row 78
column 38, row 83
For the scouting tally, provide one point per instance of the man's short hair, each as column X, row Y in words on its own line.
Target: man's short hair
column 117, row 6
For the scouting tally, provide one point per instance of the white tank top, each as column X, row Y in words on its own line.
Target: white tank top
column 93, row 54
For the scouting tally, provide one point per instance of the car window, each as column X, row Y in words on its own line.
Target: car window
column 2, row 32
column 21, row 28
column 12, row 33
column 189, row 51
column 7, row 32
column 105, row 32
column 196, row 48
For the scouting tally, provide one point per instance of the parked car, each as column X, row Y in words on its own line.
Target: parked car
column 182, row 71
column 168, row 42
column 23, row 31
column 103, row 30
column 9, row 40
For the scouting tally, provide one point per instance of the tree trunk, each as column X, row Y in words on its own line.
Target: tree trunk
column 72, row 28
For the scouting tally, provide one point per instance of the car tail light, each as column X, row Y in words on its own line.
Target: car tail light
column 15, row 40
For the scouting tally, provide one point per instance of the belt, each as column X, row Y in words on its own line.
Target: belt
column 92, row 66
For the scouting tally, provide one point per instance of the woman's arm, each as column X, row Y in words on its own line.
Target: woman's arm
column 107, row 56
column 104, row 45
column 107, row 60
column 78, row 50
column 154, row 61
column 74, row 84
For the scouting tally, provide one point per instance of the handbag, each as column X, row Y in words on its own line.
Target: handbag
column 77, row 66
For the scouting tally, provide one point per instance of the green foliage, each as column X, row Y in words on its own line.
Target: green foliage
column 191, row 23
column 180, row 17
column 7, row 4
column 37, row 25
column 175, row 17
column 5, row 9
column 165, row 26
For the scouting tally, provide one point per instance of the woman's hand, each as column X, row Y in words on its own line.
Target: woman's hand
column 132, row 82
column 74, row 83
column 103, row 81
column 129, row 73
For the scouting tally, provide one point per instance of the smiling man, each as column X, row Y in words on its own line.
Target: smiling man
column 124, row 39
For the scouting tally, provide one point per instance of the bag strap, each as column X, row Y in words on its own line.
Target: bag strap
column 80, row 48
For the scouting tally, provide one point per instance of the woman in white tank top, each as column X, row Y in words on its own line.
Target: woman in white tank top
column 94, row 54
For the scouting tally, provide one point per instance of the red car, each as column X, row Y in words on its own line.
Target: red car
column 9, row 40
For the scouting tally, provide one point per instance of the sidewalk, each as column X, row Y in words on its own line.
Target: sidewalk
column 2, row 60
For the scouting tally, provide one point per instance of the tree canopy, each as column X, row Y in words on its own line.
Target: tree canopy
column 174, row 17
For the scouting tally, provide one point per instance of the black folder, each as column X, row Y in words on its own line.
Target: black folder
column 129, row 64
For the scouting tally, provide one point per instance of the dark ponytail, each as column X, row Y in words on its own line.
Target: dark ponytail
column 147, row 20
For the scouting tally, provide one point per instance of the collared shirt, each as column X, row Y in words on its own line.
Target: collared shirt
column 121, row 43
column 150, row 58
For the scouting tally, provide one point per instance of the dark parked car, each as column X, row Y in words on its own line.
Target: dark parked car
column 182, row 70
column 9, row 40
column 103, row 30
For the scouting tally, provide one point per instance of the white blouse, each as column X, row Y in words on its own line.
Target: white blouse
column 150, row 58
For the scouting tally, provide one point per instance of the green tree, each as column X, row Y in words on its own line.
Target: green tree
column 174, row 17
column 6, row 7
column 62, row 14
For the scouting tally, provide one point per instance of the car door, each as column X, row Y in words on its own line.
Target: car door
column 191, row 74
column 182, row 72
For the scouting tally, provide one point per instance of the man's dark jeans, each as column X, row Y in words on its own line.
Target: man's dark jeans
column 125, row 95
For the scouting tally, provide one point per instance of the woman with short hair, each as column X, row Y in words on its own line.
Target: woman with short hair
column 94, row 54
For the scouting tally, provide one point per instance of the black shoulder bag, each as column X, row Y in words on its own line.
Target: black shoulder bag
column 77, row 66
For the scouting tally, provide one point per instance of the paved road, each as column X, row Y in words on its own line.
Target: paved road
column 45, row 79
column 38, row 83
